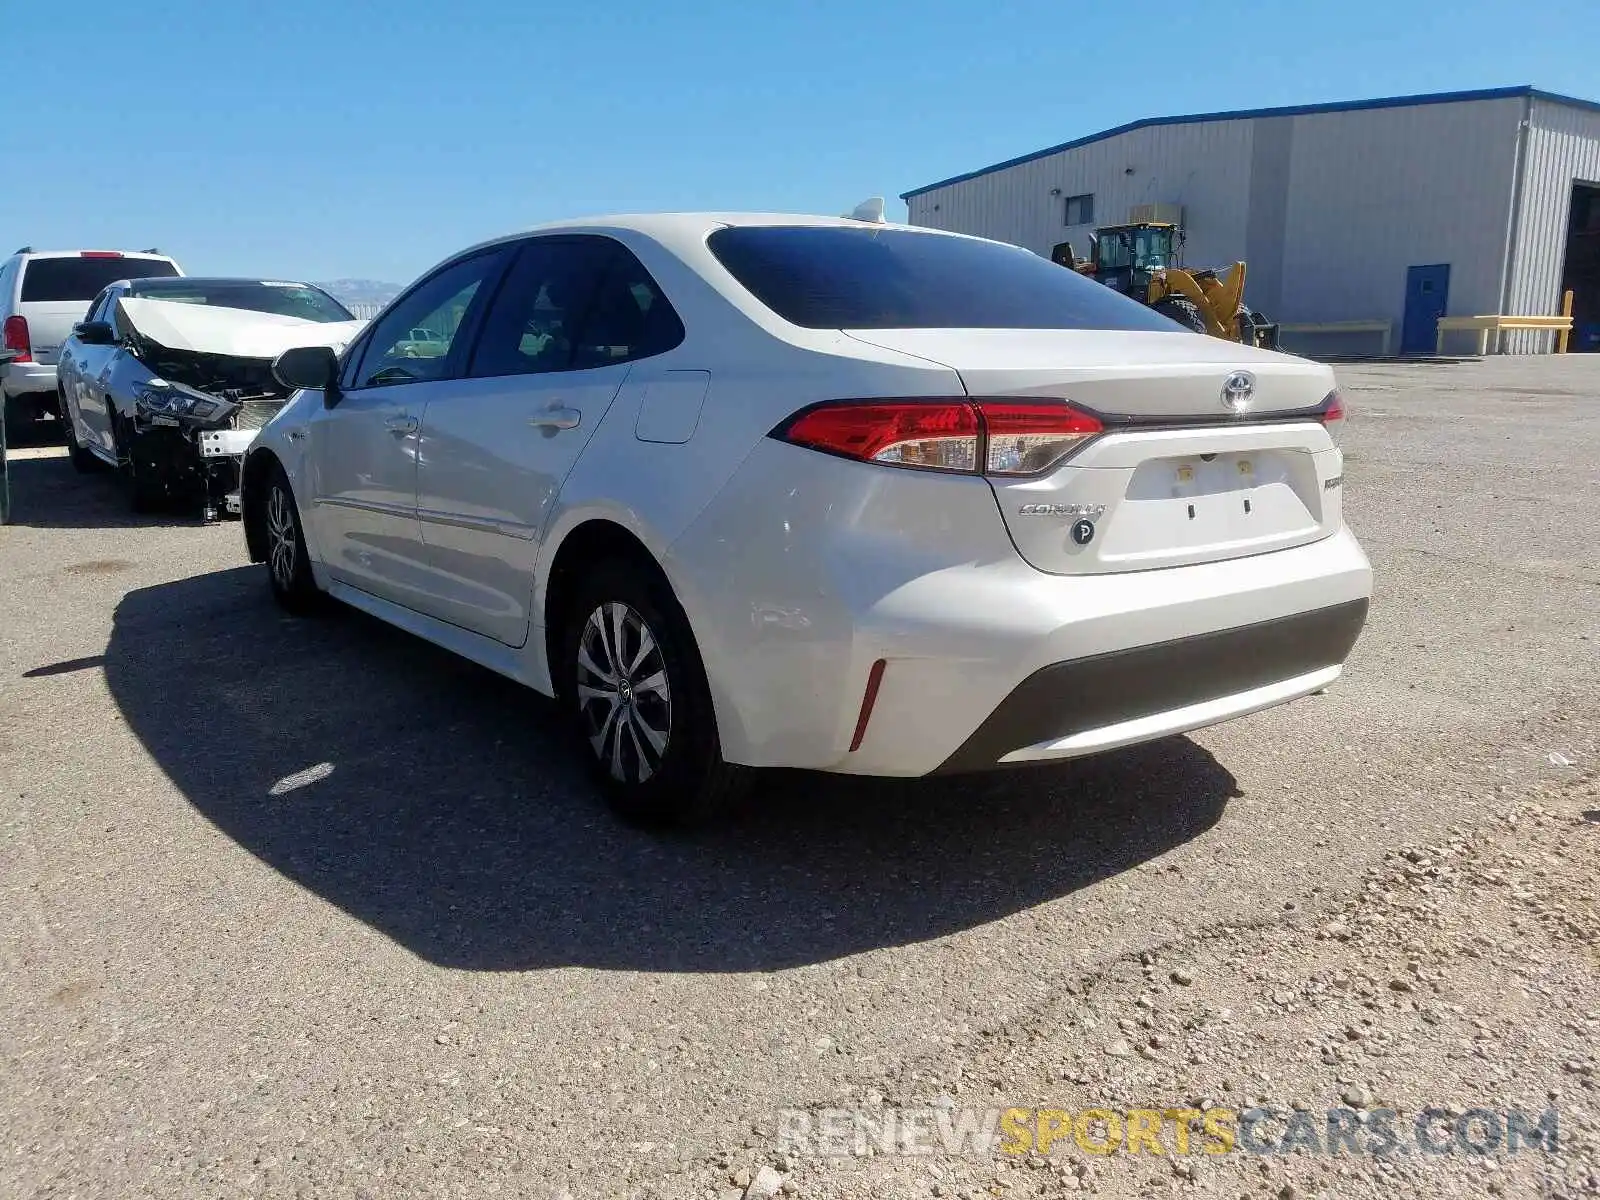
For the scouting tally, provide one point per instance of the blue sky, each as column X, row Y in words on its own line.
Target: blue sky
column 328, row 139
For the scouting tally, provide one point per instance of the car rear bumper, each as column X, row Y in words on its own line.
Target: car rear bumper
column 1082, row 706
column 990, row 669
column 808, row 571
column 21, row 379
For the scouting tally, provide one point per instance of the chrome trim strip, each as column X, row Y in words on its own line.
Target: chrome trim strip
column 513, row 529
column 386, row 510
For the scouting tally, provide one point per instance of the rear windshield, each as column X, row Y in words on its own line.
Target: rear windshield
column 283, row 299
column 82, row 278
column 840, row 277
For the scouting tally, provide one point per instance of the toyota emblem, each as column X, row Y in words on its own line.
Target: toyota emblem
column 1238, row 389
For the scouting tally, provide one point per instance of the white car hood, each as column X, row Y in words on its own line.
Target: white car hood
column 238, row 332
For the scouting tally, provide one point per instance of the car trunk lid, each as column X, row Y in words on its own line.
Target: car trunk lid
column 1182, row 473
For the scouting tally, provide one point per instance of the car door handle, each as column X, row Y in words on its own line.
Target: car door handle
column 556, row 418
column 402, row 424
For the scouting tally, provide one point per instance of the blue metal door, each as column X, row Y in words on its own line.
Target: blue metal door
column 1427, row 299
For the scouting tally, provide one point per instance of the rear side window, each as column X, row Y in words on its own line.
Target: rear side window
column 630, row 318
column 841, row 277
column 82, row 278
column 574, row 303
column 531, row 325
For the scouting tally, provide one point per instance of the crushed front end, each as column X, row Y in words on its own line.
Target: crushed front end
column 189, row 441
column 198, row 388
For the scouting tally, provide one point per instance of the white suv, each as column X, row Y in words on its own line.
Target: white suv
column 43, row 294
column 749, row 491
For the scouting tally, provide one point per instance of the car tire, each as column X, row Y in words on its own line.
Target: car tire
column 642, row 707
column 143, row 492
column 83, row 461
column 1182, row 310
column 288, row 563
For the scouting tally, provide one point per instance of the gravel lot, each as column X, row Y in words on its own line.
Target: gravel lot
column 308, row 908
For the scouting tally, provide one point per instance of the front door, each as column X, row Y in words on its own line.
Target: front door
column 557, row 343
column 1427, row 299
column 364, row 448
column 85, row 378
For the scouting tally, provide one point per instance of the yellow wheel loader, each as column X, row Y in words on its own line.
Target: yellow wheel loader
column 1141, row 262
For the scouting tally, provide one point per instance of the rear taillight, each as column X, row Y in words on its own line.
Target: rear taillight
column 1332, row 414
column 99, row 253
column 996, row 436
column 16, row 338
column 939, row 434
column 1025, row 437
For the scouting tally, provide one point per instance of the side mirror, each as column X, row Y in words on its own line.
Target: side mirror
column 307, row 367
column 95, row 333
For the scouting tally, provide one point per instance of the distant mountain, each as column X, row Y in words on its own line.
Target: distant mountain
column 361, row 291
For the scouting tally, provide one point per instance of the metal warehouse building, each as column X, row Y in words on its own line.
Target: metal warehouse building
column 1390, row 212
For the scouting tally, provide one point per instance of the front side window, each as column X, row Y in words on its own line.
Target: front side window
column 101, row 308
column 848, row 277
column 414, row 339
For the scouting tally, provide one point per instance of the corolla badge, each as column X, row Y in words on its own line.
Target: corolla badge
column 1238, row 389
column 1061, row 510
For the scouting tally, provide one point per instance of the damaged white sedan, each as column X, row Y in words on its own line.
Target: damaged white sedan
column 169, row 380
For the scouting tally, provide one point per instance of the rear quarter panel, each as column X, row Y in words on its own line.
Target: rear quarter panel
column 657, row 490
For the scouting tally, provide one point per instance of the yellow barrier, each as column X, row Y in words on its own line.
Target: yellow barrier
column 1383, row 328
column 1497, row 325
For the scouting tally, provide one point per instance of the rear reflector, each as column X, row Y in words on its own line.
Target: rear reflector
column 998, row 436
column 100, row 254
column 868, row 699
column 16, row 338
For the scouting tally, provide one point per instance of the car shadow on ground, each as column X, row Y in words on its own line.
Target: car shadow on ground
column 47, row 493
column 441, row 805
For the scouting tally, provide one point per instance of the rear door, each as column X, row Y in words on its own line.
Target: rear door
column 57, row 290
column 1209, row 450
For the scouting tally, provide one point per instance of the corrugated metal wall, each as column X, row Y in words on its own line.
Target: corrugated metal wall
column 1204, row 167
column 1328, row 208
column 1563, row 148
column 1374, row 192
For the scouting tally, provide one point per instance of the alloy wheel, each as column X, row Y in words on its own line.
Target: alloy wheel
column 282, row 544
column 623, row 693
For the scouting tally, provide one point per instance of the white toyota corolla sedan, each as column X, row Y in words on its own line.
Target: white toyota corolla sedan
column 772, row 491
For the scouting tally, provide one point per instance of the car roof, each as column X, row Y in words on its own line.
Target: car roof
column 678, row 227
column 30, row 253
